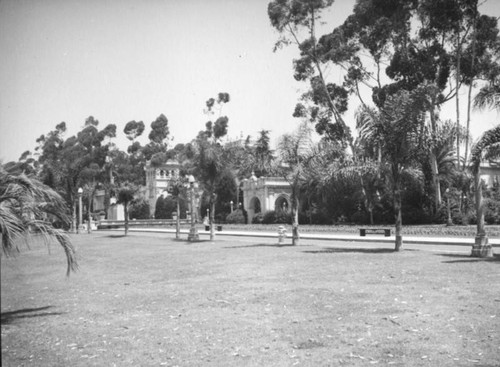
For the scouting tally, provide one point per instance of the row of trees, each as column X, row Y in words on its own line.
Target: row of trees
column 328, row 183
column 429, row 50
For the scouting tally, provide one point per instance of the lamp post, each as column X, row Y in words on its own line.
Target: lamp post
column 193, row 232
column 231, row 203
column 80, row 193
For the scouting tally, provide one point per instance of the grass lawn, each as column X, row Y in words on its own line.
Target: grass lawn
column 148, row 300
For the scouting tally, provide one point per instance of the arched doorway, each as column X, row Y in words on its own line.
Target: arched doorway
column 254, row 207
column 282, row 204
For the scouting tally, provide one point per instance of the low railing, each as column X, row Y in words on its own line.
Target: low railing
column 110, row 224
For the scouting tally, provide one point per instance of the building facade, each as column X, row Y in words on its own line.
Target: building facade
column 158, row 180
column 265, row 193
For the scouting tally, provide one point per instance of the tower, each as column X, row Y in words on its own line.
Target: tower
column 158, row 179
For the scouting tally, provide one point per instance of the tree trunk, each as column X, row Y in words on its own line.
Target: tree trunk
column 295, row 222
column 457, row 81
column 73, row 218
column 435, row 181
column 89, row 217
column 178, row 222
column 398, row 217
column 481, row 247
column 367, row 199
column 469, row 96
column 212, row 220
column 125, row 213
column 310, row 210
column 433, row 158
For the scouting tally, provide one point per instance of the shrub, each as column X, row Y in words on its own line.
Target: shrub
column 165, row 207
column 441, row 216
column 269, row 217
column 491, row 211
column 258, row 218
column 468, row 218
column 220, row 217
column 236, row 217
column 160, row 211
column 277, row 217
column 139, row 210
column 314, row 217
column 413, row 215
column 284, row 217
column 360, row 217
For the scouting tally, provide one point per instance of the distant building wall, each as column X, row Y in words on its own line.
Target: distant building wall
column 98, row 203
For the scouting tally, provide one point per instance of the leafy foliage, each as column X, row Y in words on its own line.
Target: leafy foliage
column 277, row 217
column 164, row 208
column 133, row 129
column 159, row 130
column 139, row 209
column 329, row 101
column 487, row 148
column 126, row 193
column 28, row 207
column 236, row 217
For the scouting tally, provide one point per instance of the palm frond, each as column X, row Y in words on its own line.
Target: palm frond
column 488, row 96
column 48, row 232
column 11, row 227
column 486, row 148
column 26, row 205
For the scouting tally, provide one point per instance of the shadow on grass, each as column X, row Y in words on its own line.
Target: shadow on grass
column 264, row 245
column 460, row 258
column 187, row 242
column 10, row 316
column 332, row 250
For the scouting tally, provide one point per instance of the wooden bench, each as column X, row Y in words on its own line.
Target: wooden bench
column 385, row 231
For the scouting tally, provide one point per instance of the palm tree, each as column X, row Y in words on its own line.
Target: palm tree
column 177, row 188
column 126, row 195
column 448, row 163
column 321, row 174
column 27, row 207
column 487, row 148
column 487, row 97
column 211, row 167
column 295, row 154
column 397, row 127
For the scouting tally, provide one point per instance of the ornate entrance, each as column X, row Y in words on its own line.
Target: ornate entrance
column 265, row 193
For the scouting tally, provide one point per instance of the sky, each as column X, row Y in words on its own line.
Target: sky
column 123, row 60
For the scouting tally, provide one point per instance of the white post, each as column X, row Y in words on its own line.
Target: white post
column 193, row 232
column 80, row 211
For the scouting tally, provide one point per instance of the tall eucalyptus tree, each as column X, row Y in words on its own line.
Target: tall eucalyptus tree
column 416, row 42
column 208, row 157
